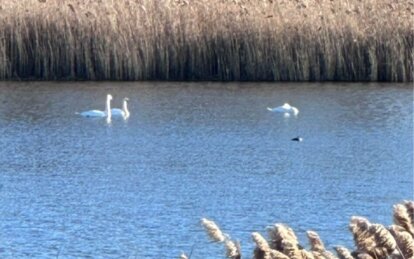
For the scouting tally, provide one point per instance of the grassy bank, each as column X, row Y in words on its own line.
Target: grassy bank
column 372, row 241
column 275, row 40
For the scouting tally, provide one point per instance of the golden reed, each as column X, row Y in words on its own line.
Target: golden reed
column 372, row 241
column 272, row 40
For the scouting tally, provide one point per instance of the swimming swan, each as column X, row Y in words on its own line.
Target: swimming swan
column 98, row 113
column 124, row 112
column 285, row 108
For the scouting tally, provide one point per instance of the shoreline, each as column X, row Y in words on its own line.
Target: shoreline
column 219, row 40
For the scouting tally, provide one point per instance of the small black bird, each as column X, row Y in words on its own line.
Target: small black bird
column 297, row 139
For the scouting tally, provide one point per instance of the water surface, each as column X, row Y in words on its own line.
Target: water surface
column 72, row 187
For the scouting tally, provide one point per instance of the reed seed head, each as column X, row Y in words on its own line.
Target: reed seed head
column 274, row 254
column 280, row 232
column 213, row 231
column 233, row 250
column 343, row 253
column 409, row 205
column 402, row 218
column 260, row 241
column 404, row 240
column 364, row 256
column 315, row 241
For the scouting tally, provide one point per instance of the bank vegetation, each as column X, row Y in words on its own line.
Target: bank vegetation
column 272, row 40
column 372, row 240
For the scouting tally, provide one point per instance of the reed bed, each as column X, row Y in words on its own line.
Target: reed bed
column 272, row 40
column 372, row 241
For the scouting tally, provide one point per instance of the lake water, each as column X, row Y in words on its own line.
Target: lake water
column 72, row 187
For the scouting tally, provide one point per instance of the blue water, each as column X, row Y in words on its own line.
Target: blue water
column 72, row 187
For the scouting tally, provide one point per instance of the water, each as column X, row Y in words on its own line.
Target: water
column 72, row 187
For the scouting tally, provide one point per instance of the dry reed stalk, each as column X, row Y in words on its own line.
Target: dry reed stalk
column 402, row 218
column 405, row 241
column 213, row 230
column 207, row 40
column 343, row 253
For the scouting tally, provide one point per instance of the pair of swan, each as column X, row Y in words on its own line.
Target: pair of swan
column 108, row 113
column 286, row 108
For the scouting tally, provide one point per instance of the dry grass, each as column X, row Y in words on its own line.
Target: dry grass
column 371, row 240
column 275, row 40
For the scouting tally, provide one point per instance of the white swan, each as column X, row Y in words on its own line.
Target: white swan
column 98, row 113
column 124, row 112
column 286, row 109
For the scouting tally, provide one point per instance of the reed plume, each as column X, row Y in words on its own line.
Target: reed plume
column 317, row 246
column 274, row 254
column 279, row 233
column 294, row 252
column 409, row 205
column 233, row 250
column 343, row 253
column 283, row 239
column 263, row 250
column 260, row 242
column 315, row 241
column 402, row 218
column 384, row 242
column 364, row 256
column 212, row 230
column 372, row 239
column 405, row 242
column 359, row 227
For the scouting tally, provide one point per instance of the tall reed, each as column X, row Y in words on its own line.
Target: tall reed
column 371, row 240
column 274, row 40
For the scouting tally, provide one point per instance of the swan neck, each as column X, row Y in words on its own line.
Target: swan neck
column 125, row 108
column 108, row 108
